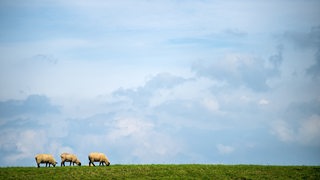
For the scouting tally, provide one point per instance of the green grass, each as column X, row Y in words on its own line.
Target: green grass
column 190, row 171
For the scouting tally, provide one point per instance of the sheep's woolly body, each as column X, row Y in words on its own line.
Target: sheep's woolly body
column 45, row 158
column 98, row 157
column 66, row 157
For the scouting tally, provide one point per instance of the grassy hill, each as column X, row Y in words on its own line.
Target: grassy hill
column 192, row 171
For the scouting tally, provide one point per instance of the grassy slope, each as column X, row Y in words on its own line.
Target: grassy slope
column 164, row 171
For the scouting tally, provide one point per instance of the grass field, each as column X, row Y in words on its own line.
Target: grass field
column 191, row 171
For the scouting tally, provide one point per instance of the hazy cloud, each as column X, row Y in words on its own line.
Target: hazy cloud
column 160, row 81
column 45, row 58
column 299, row 123
column 240, row 70
column 314, row 70
column 143, row 94
column 308, row 40
column 304, row 40
column 306, row 133
column 236, row 32
column 224, row 149
column 148, row 144
column 34, row 104
column 263, row 102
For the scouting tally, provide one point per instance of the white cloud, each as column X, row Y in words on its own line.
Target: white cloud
column 238, row 70
column 245, row 98
column 263, row 102
column 211, row 104
column 190, row 89
column 130, row 127
column 146, row 143
column 307, row 132
column 22, row 145
column 225, row 149
column 121, row 76
column 283, row 131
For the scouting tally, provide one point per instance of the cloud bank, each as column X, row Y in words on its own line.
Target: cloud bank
column 161, row 81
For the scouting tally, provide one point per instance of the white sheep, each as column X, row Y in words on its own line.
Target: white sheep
column 98, row 157
column 66, row 157
column 45, row 158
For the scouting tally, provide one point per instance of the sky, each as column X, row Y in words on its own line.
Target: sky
column 162, row 81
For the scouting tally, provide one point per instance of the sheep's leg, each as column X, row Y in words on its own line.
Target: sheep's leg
column 38, row 165
column 70, row 163
column 90, row 162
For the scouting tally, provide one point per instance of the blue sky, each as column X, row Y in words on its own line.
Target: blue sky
column 170, row 81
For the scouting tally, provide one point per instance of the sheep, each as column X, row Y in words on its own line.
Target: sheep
column 98, row 157
column 45, row 158
column 66, row 157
